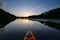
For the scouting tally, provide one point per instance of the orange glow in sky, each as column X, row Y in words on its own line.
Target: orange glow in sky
column 24, row 14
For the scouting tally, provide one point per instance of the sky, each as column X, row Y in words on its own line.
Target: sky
column 28, row 7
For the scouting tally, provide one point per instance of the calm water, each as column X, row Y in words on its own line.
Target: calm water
column 17, row 29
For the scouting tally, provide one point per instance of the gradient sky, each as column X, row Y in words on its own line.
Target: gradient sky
column 30, row 7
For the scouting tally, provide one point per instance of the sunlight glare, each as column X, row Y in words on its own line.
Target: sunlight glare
column 25, row 14
column 24, row 21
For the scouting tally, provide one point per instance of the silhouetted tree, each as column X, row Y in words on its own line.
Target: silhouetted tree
column 52, row 14
column 5, row 18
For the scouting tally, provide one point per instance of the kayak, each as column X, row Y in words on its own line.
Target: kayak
column 29, row 35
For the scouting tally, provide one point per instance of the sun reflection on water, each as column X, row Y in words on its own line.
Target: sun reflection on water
column 27, row 21
column 24, row 21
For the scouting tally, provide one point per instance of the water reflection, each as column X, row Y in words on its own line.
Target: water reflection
column 27, row 23
column 23, row 24
column 4, row 22
column 3, row 32
column 17, row 29
column 24, row 21
column 50, row 23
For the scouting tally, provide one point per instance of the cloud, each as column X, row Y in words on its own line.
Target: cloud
column 2, row 4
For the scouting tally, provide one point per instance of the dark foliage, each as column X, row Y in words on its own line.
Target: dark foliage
column 51, row 24
column 5, row 18
column 52, row 14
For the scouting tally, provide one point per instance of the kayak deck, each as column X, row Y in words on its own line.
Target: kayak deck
column 29, row 35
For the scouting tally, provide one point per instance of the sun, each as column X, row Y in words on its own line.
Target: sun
column 26, row 15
